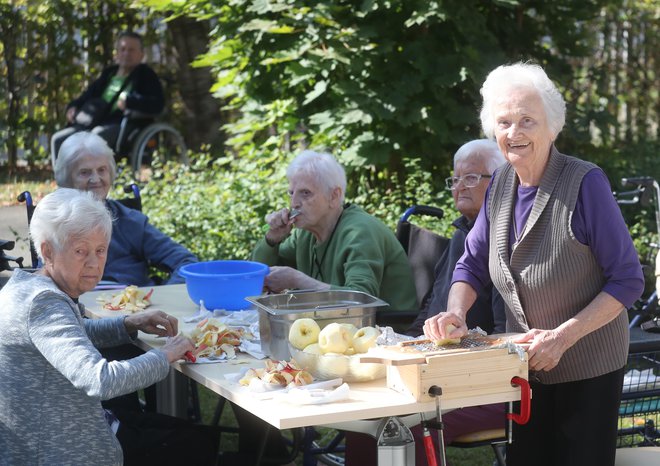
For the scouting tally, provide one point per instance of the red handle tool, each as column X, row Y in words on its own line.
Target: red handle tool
column 430, row 448
column 525, row 401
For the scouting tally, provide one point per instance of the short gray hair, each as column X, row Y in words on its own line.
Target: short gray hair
column 484, row 149
column 323, row 167
column 65, row 214
column 521, row 75
column 75, row 146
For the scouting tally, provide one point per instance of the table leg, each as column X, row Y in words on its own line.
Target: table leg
column 395, row 443
column 172, row 395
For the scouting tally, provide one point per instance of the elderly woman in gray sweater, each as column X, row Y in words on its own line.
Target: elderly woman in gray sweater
column 53, row 377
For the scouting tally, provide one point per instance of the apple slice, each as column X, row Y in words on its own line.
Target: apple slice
column 364, row 339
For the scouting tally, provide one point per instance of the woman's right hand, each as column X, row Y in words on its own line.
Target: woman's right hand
column 176, row 347
column 279, row 226
column 435, row 327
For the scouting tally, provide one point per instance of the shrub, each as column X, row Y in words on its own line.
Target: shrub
column 216, row 208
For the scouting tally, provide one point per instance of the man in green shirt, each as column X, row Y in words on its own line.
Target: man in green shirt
column 334, row 245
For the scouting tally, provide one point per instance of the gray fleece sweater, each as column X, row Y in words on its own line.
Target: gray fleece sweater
column 52, row 378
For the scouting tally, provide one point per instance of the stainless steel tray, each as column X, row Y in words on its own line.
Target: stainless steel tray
column 310, row 301
column 277, row 313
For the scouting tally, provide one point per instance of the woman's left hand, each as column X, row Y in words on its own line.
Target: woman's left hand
column 154, row 322
column 546, row 348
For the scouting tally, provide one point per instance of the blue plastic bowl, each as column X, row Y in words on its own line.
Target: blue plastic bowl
column 224, row 284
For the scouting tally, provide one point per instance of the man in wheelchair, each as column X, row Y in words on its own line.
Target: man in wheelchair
column 128, row 87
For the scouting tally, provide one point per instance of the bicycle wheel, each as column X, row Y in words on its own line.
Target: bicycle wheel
column 157, row 142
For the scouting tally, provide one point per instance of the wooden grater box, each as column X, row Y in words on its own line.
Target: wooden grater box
column 467, row 377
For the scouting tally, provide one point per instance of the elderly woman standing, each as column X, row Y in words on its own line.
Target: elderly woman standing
column 53, row 377
column 553, row 240
column 335, row 245
column 86, row 162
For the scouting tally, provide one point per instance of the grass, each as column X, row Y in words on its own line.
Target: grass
column 39, row 181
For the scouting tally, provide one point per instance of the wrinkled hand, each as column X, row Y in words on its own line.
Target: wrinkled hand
column 435, row 326
column 279, row 226
column 283, row 278
column 154, row 322
column 176, row 347
column 71, row 114
column 546, row 348
column 121, row 101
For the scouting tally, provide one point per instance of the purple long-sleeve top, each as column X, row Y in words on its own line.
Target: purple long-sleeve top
column 596, row 222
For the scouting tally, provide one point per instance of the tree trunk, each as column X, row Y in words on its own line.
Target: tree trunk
column 10, row 37
column 202, row 111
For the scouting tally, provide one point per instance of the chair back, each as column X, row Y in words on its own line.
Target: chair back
column 422, row 246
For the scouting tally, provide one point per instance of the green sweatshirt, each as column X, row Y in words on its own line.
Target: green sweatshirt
column 363, row 255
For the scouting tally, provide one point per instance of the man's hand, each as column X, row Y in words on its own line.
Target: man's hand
column 280, row 226
column 287, row 278
column 121, row 101
column 71, row 114
column 154, row 322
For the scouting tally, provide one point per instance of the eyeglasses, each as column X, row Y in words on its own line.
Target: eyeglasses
column 469, row 181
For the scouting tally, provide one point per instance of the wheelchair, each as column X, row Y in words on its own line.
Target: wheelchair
column 143, row 140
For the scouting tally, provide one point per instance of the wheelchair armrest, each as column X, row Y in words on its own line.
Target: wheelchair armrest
column 137, row 115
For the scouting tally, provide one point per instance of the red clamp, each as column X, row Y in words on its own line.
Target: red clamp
column 525, row 401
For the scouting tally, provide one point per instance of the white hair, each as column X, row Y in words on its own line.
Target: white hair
column 65, row 214
column 520, row 75
column 485, row 150
column 76, row 146
column 323, row 167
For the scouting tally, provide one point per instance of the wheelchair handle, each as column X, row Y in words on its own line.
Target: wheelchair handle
column 422, row 210
column 132, row 188
column 638, row 180
column 525, row 402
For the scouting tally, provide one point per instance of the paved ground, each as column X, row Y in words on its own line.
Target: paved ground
column 13, row 222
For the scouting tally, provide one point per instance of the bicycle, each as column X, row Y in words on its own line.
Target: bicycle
column 645, row 193
column 639, row 413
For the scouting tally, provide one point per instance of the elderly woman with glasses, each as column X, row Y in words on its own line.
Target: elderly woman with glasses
column 86, row 162
column 53, row 377
column 474, row 164
column 553, row 242
column 334, row 244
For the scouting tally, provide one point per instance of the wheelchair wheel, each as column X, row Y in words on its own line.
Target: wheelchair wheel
column 158, row 141
column 329, row 447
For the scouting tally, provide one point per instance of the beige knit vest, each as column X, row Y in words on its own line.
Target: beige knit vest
column 549, row 276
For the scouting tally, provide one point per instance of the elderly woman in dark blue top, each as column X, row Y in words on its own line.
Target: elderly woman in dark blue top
column 552, row 240
column 86, row 162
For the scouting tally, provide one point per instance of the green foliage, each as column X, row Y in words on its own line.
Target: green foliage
column 49, row 51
